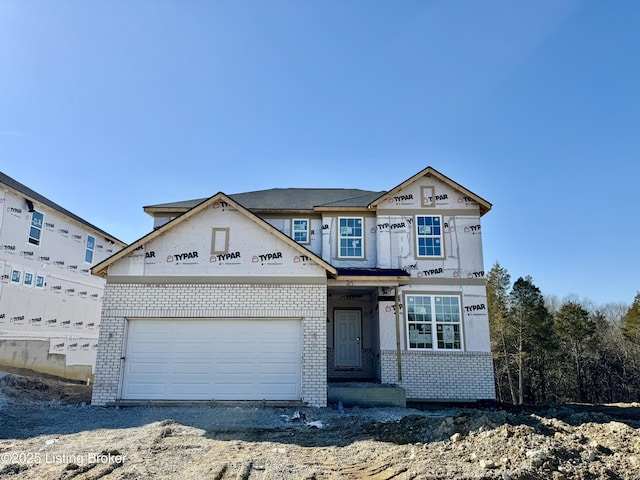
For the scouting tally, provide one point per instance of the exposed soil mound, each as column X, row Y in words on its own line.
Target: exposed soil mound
column 33, row 389
column 43, row 438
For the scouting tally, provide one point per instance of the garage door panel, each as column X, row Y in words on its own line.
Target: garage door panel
column 191, row 348
column 149, row 328
column 241, row 359
column 282, row 348
column 238, row 347
column 277, row 368
column 144, row 368
column 235, row 368
column 189, row 390
column 191, row 368
column 149, row 348
column 146, row 388
column 235, row 390
column 270, row 390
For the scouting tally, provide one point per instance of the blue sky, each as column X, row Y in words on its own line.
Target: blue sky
column 107, row 106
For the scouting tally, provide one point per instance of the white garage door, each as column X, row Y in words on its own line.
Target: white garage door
column 180, row 359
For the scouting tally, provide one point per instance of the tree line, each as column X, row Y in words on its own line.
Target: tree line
column 547, row 350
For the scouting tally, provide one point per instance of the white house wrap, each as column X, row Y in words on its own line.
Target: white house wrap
column 269, row 295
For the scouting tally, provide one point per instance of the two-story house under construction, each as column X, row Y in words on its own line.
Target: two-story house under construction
column 270, row 295
column 50, row 304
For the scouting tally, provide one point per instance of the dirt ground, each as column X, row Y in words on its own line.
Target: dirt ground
column 48, row 431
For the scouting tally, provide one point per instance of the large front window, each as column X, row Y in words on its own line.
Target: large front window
column 429, row 235
column 350, row 237
column 434, row 322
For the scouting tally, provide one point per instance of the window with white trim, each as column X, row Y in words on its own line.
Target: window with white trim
column 350, row 237
column 434, row 322
column 28, row 279
column 35, row 230
column 16, row 276
column 429, row 236
column 91, row 246
column 39, row 281
column 300, row 230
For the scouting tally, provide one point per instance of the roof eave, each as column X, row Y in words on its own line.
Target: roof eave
column 341, row 209
column 68, row 214
column 152, row 210
column 281, row 211
column 367, row 281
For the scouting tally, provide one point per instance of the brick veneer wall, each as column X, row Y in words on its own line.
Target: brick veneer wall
column 364, row 371
column 122, row 301
column 441, row 375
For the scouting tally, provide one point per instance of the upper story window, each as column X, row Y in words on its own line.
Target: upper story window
column 350, row 237
column 434, row 322
column 429, row 235
column 35, row 231
column 91, row 246
column 300, row 229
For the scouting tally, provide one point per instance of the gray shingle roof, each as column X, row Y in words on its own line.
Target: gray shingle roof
column 27, row 192
column 290, row 199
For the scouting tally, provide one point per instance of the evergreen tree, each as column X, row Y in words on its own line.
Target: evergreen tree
column 575, row 329
column 498, row 284
column 631, row 321
column 533, row 336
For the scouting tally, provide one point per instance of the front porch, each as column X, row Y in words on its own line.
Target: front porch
column 353, row 346
column 353, row 321
column 354, row 367
column 365, row 394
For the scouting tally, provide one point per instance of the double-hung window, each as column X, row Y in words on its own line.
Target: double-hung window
column 429, row 236
column 91, row 246
column 434, row 322
column 350, row 237
column 35, row 230
column 300, row 228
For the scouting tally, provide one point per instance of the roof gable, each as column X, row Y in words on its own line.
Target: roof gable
column 34, row 196
column 429, row 171
column 222, row 201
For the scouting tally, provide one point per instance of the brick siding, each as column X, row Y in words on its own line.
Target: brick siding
column 122, row 301
column 365, row 370
column 441, row 375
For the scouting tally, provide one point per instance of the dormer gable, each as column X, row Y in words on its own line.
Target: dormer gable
column 430, row 189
